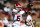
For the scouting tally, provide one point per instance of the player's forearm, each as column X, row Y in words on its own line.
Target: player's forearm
column 27, row 21
column 32, row 24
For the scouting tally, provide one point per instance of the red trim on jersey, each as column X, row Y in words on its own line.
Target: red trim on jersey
column 22, row 7
column 27, row 9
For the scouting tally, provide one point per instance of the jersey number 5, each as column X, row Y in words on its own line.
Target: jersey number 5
column 18, row 18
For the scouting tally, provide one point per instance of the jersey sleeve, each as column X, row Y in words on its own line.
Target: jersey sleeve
column 22, row 12
column 14, row 10
column 5, row 9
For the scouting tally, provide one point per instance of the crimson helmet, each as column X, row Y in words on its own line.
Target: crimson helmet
column 18, row 6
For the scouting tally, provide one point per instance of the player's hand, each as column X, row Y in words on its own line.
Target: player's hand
column 33, row 25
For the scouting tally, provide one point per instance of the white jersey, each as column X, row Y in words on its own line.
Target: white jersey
column 14, row 10
column 18, row 16
column 7, row 9
column 5, row 21
column 29, row 18
column 17, row 19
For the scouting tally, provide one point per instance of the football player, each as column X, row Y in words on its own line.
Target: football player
column 29, row 22
column 18, row 16
column 8, row 12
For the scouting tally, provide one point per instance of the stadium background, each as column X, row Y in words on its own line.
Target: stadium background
column 10, row 3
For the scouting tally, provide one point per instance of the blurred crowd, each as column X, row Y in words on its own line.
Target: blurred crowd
column 9, row 13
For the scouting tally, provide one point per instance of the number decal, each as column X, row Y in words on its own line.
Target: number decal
column 18, row 19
